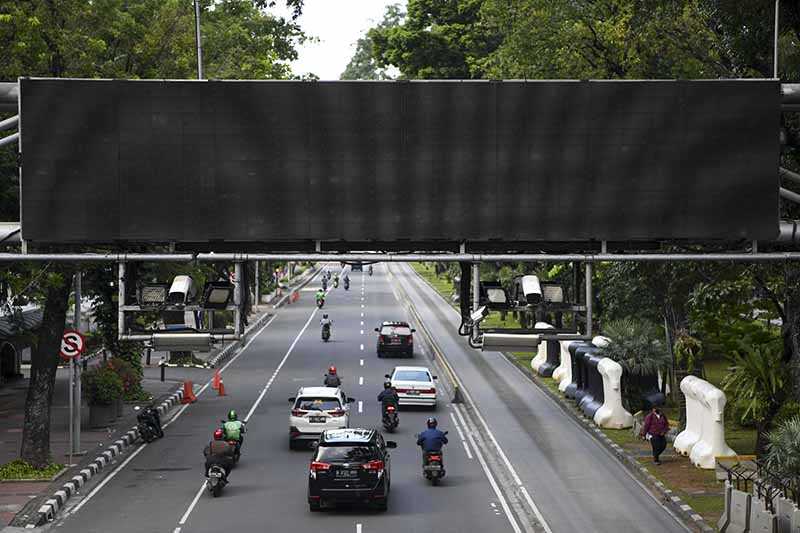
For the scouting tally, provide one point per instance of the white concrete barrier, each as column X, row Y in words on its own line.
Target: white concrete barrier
column 711, row 443
column 600, row 341
column 564, row 370
column 612, row 414
column 761, row 520
column 739, row 513
column 687, row 438
column 541, row 354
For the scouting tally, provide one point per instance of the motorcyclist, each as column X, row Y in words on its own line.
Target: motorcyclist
column 346, row 280
column 326, row 322
column 219, row 452
column 320, row 295
column 234, row 429
column 431, row 440
column 336, row 280
column 388, row 396
column 332, row 379
column 324, row 284
column 370, row 270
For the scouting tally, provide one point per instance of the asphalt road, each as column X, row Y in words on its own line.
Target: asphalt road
column 550, row 475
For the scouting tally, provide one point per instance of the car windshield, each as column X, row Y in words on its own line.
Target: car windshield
column 347, row 453
column 317, row 404
column 395, row 330
column 411, row 375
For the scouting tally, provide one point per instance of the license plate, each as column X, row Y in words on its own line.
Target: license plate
column 433, row 467
column 316, row 419
column 348, row 474
column 395, row 341
column 413, row 393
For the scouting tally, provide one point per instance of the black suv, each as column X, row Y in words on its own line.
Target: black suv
column 395, row 338
column 350, row 465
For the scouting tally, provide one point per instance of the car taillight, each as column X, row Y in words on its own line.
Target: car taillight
column 401, row 390
column 410, row 339
column 427, row 391
column 336, row 412
column 381, row 339
column 297, row 412
column 373, row 465
column 318, row 466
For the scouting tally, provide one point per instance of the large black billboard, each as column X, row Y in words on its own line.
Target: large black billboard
column 259, row 161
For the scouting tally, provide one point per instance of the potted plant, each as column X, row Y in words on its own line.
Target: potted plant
column 103, row 388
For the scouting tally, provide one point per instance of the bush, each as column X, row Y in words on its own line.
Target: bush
column 103, row 385
column 19, row 469
column 636, row 346
column 783, row 449
column 131, row 378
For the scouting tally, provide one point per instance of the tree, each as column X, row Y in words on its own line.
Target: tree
column 119, row 39
column 363, row 65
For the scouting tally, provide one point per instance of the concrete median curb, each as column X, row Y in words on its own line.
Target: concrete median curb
column 48, row 511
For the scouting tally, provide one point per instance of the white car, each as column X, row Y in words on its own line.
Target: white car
column 316, row 409
column 415, row 385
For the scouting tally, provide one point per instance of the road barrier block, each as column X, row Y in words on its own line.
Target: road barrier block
column 612, row 414
column 564, row 367
column 711, row 443
column 740, row 513
column 541, row 353
column 576, row 350
column 725, row 520
column 553, row 353
column 593, row 397
column 786, row 511
column 687, row 438
column 761, row 520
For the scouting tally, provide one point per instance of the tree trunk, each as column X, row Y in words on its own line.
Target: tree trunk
column 44, row 362
column 791, row 326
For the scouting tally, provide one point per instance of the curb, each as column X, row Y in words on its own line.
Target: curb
column 59, row 498
column 666, row 495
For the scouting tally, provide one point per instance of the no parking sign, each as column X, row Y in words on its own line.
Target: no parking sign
column 72, row 345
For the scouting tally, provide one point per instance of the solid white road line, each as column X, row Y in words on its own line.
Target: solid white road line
column 466, row 449
column 493, row 483
column 360, row 406
column 461, row 434
column 171, row 420
column 185, row 516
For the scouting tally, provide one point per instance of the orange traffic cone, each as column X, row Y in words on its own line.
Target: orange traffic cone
column 188, row 393
column 215, row 380
column 221, row 389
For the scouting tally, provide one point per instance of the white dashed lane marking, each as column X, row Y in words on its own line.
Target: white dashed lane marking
column 360, row 380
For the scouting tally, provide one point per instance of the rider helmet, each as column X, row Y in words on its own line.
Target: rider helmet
column 218, row 434
column 325, row 315
column 432, row 423
column 332, row 370
column 232, row 415
column 387, row 384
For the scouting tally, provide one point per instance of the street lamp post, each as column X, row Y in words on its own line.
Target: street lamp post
column 775, row 42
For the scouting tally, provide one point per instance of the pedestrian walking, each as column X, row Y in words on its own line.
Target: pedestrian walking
column 655, row 430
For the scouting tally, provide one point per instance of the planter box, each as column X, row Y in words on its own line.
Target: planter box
column 102, row 415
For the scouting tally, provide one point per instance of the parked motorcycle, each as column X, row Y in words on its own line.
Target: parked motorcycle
column 326, row 332
column 390, row 418
column 149, row 425
column 216, row 480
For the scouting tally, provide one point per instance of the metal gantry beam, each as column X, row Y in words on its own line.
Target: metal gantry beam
column 404, row 258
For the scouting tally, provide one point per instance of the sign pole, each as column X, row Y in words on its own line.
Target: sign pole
column 76, row 372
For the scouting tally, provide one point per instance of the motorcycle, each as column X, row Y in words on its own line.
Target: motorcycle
column 324, row 284
column 433, row 466
column 335, row 283
column 326, row 332
column 347, row 284
column 370, row 270
column 216, row 480
column 149, row 425
column 320, row 302
column 390, row 419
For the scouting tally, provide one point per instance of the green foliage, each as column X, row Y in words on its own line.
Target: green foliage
column 688, row 351
column 636, row 346
column 363, row 65
column 783, row 449
column 103, row 385
column 758, row 381
column 19, row 469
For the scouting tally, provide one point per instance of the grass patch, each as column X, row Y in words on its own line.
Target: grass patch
column 19, row 469
column 715, row 371
column 441, row 284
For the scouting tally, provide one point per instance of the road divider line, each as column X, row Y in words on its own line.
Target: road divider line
column 360, row 380
column 466, row 449
column 358, row 528
column 461, row 434
column 185, row 516
column 361, row 362
column 362, row 331
column 362, row 347
column 360, row 406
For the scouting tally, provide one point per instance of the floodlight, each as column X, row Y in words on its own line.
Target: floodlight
column 217, row 295
column 493, row 295
column 152, row 295
column 552, row 292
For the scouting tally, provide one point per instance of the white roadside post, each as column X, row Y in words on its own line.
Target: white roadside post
column 75, row 442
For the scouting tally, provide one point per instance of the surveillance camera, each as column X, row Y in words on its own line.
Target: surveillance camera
column 528, row 290
column 182, row 290
column 479, row 314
